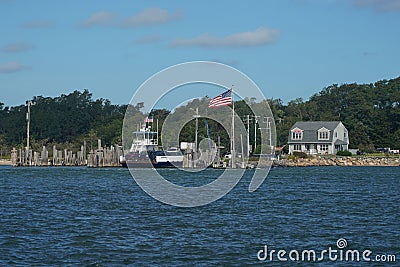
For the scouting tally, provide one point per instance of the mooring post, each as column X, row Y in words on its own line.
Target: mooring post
column 14, row 157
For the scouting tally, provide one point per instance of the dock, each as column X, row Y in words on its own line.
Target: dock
column 94, row 158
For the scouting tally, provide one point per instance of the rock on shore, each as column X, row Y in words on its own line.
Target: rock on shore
column 338, row 161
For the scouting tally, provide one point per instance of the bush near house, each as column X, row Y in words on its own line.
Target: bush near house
column 344, row 153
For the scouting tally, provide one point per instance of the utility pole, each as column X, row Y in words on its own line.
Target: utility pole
column 269, row 129
column 241, row 142
column 195, row 135
column 218, row 156
column 233, row 152
column 157, row 134
column 248, row 136
column 269, row 132
column 28, row 122
column 255, row 132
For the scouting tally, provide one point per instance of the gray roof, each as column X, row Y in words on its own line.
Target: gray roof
column 310, row 129
column 315, row 125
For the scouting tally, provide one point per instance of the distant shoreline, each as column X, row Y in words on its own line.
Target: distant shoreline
column 314, row 162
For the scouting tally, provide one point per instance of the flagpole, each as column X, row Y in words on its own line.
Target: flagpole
column 233, row 156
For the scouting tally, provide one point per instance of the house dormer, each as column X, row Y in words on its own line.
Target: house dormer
column 323, row 134
column 297, row 133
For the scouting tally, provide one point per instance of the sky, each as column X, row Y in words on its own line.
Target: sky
column 289, row 48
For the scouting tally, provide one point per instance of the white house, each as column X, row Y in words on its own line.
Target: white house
column 318, row 137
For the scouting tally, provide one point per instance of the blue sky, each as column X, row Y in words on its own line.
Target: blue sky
column 290, row 48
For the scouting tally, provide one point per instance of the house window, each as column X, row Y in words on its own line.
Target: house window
column 297, row 134
column 323, row 147
column 323, row 135
column 335, row 134
column 345, row 134
column 297, row 147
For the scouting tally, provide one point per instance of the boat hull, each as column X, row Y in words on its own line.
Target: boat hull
column 143, row 164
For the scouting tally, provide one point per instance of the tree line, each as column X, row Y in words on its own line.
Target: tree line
column 371, row 113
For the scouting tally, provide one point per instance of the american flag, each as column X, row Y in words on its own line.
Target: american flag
column 224, row 99
column 148, row 119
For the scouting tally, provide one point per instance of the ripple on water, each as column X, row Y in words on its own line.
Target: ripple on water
column 93, row 217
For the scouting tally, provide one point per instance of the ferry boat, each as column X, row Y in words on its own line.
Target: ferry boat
column 144, row 152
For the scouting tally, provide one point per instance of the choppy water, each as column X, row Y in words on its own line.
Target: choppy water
column 100, row 217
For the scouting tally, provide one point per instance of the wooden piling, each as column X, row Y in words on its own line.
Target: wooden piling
column 14, row 157
column 101, row 157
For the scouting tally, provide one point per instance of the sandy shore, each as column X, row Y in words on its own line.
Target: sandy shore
column 5, row 162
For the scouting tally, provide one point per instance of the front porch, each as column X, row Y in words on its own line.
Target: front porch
column 312, row 149
column 340, row 146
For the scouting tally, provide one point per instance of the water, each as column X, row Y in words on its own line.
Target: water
column 100, row 217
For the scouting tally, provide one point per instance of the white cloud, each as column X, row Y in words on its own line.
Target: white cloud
column 148, row 39
column 37, row 24
column 11, row 67
column 98, row 19
column 16, row 47
column 151, row 16
column 261, row 36
column 379, row 5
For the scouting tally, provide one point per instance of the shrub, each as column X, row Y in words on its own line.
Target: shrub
column 299, row 154
column 344, row 153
